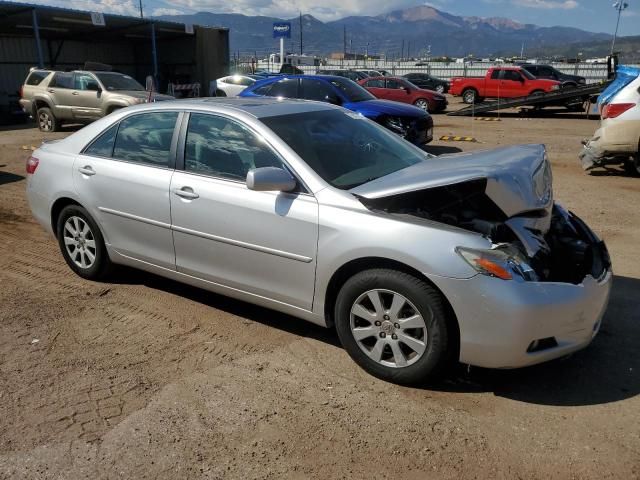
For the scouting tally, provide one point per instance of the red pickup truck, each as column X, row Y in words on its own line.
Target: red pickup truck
column 500, row 82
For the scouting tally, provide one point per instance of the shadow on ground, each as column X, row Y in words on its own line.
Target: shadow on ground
column 6, row 177
column 607, row 371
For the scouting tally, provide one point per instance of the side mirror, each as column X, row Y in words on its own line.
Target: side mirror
column 333, row 99
column 270, row 179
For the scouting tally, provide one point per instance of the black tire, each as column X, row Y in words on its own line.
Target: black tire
column 632, row 166
column 537, row 92
column 101, row 265
column 220, row 93
column 46, row 120
column 440, row 89
column 470, row 96
column 426, row 300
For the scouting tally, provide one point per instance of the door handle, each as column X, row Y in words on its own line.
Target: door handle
column 51, row 91
column 87, row 170
column 186, row 192
column 75, row 93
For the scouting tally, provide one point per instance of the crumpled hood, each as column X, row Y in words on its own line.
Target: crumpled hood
column 375, row 108
column 518, row 177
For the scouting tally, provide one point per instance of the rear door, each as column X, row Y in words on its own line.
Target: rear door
column 86, row 98
column 60, row 90
column 123, row 179
column 263, row 243
column 377, row 87
column 492, row 84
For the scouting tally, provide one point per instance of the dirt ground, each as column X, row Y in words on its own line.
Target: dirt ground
column 146, row 378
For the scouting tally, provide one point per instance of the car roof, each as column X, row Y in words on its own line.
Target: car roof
column 258, row 107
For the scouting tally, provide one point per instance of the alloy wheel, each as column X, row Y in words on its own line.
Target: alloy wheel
column 45, row 122
column 423, row 104
column 388, row 328
column 440, row 89
column 80, row 242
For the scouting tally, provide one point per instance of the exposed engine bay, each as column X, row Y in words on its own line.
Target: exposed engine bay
column 557, row 245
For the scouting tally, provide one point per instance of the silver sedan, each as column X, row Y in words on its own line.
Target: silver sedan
column 315, row 211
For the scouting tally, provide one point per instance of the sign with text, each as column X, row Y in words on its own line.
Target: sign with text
column 97, row 19
column 282, row 30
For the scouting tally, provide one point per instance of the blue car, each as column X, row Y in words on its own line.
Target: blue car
column 412, row 123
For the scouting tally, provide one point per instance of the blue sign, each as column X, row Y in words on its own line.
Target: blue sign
column 282, row 30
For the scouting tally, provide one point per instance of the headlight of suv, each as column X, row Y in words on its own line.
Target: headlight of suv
column 136, row 101
column 503, row 262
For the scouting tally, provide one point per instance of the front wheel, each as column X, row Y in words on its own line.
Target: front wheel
column 422, row 103
column 440, row 89
column 393, row 325
column 81, row 243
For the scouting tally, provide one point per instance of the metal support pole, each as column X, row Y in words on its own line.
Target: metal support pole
column 154, row 52
column 36, row 32
column 281, row 52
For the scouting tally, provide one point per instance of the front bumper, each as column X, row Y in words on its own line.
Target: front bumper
column 499, row 320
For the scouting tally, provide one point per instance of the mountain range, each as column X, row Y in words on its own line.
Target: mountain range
column 408, row 33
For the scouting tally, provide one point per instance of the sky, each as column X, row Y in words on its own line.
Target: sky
column 592, row 15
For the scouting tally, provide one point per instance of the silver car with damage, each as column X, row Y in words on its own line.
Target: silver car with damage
column 315, row 211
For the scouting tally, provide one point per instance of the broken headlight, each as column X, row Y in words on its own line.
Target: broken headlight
column 503, row 262
column 395, row 124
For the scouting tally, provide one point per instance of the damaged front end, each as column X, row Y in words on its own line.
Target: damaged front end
column 506, row 196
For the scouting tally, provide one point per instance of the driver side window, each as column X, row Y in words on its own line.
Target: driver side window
column 224, row 148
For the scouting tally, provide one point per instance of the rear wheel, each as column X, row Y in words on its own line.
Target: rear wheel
column 81, row 243
column 393, row 325
column 220, row 93
column 47, row 122
column 422, row 103
column 632, row 166
column 469, row 96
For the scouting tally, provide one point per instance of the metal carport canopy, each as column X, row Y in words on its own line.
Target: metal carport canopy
column 55, row 23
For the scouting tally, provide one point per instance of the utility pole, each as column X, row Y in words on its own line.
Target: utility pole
column 300, row 32
column 402, row 51
column 619, row 6
column 141, row 15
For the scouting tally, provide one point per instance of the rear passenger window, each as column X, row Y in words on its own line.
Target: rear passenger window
column 62, row 80
column 36, row 77
column 103, row 145
column 223, row 148
column 146, row 138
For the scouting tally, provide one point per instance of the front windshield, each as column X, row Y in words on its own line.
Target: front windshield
column 118, row 81
column 343, row 147
column 351, row 90
column 528, row 75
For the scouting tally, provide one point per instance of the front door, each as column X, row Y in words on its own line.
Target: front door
column 86, row 97
column 395, row 91
column 123, row 179
column 263, row 243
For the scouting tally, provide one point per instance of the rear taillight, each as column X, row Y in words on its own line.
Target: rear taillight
column 612, row 110
column 32, row 164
